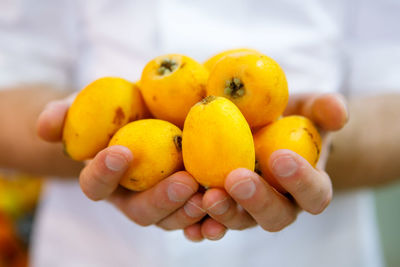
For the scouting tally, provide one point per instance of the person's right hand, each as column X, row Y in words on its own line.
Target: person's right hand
column 247, row 199
column 173, row 203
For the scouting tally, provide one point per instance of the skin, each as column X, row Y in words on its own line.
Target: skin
column 24, row 150
column 175, row 203
column 186, row 208
column 374, row 127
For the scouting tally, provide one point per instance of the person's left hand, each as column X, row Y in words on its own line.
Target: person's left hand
column 171, row 204
column 248, row 200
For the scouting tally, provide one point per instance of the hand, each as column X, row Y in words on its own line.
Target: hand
column 249, row 200
column 173, row 203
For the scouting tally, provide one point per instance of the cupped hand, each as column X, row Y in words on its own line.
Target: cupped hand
column 173, row 203
column 248, row 200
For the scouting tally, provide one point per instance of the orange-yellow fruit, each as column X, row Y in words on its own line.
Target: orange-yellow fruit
column 139, row 108
column 171, row 85
column 216, row 140
column 156, row 148
column 254, row 82
column 209, row 64
column 97, row 112
column 296, row 133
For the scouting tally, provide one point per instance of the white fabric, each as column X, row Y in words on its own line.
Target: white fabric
column 36, row 45
column 373, row 47
column 74, row 231
column 322, row 45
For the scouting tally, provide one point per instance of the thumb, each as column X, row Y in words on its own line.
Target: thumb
column 51, row 120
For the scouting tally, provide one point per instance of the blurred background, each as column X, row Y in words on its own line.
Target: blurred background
column 19, row 196
column 388, row 213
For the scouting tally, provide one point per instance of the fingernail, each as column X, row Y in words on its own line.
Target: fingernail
column 284, row 166
column 115, row 162
column 179, row 192
column 192, row 210
column 244, row 189
column 219, row 207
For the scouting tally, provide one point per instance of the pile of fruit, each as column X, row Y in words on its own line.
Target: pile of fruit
column 208, row 119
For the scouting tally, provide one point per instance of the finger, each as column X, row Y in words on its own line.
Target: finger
column 221, row 207
column 296, row 103
column 212, row 230
column 328, row 111
column 311, row 188
column 51, row 120
column 193, row 232
column 271, row 210
column 151, row 206
column 187, row 215
column 102, row 174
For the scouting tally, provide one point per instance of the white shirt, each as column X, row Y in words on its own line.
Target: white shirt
column 322, row 46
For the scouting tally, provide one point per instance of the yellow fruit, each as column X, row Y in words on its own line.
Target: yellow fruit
column 156, row 149
column 139, row 108
column 254, row 82
column 296, row 133
column 216, row 140
column 209, row 64
column 171, row 85
column 98, row 111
